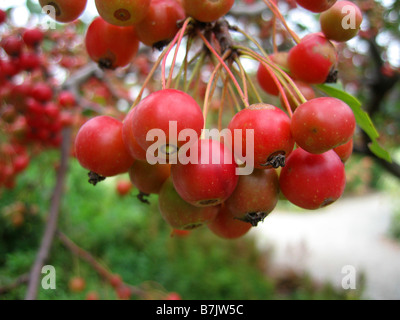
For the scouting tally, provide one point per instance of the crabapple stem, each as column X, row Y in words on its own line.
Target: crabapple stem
column 196, row 70
column 180, row 35
column 243, row 76
column 275, row 73
column 184, row 66
column 209, row 46
column 211, row 84
column 164, row 60
column 221, row 107
column 275, row 46
column 275, row 10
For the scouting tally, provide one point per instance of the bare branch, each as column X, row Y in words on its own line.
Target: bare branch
column 52, row 221
column 17, row 282
column 100, row 269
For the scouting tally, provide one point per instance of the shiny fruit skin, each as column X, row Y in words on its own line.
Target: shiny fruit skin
column 66, row 10
column 227, row 226
column 110, row 46
column 345, row 151
column 264, row 78
column 305, row 89
column 123, row 12
column 312, row 181
column 149, row 178
column 99, row 147
column 159, row 109
column 322, row 124
column 269, row 140
column 207, row 10
column 312, row 59
column 255, row 196
column 316, row 5
column 332, row 21
column 160, row 23
column 135, row 150
column 180, row 214
column 208, row 180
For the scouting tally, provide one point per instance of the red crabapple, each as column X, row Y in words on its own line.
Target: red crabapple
column 273, row 140
column 109, row 45
column 322, row 124
column 99, row 147
column 227, row 226
column 312, row 181
column 65, row 10
column 316, row 5
column 313, row 59
column 210, row 179
column 207, row 10
column 123, row 12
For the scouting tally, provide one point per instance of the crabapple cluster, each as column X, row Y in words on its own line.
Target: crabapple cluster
column 313, row 60
column 297, row 148
column 112, row 39
column 32, row 110
column 194, row 194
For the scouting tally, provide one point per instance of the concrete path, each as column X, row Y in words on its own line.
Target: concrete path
column 351, row 232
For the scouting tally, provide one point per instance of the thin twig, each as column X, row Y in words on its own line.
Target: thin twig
column 100, row 269
column 52, row 221
column 15, row 284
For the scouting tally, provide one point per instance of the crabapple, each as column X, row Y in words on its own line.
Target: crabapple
column 208, row 180
column 312, row 181
column 322, row 124
column 227, row 226
column 109, row 45
column 160, row 23
column 342, row 21
column 180, row 214
column 123, row 12
column 272, row 142
column 313, row 59
column 255, row 196
column 316, row 5
column 207, row 10
column 65, row 10
column 99, row 147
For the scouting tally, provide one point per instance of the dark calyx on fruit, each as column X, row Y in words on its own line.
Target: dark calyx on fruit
column 254, row 217
column 141, row 196
column 276, row 160
column 95, row 178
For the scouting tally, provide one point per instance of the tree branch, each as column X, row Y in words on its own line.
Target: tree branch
column 100, row 269
column 52, row 221
column 17, row 282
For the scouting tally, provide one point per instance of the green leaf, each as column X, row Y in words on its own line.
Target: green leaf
column 362, row 117
column 33, row 7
